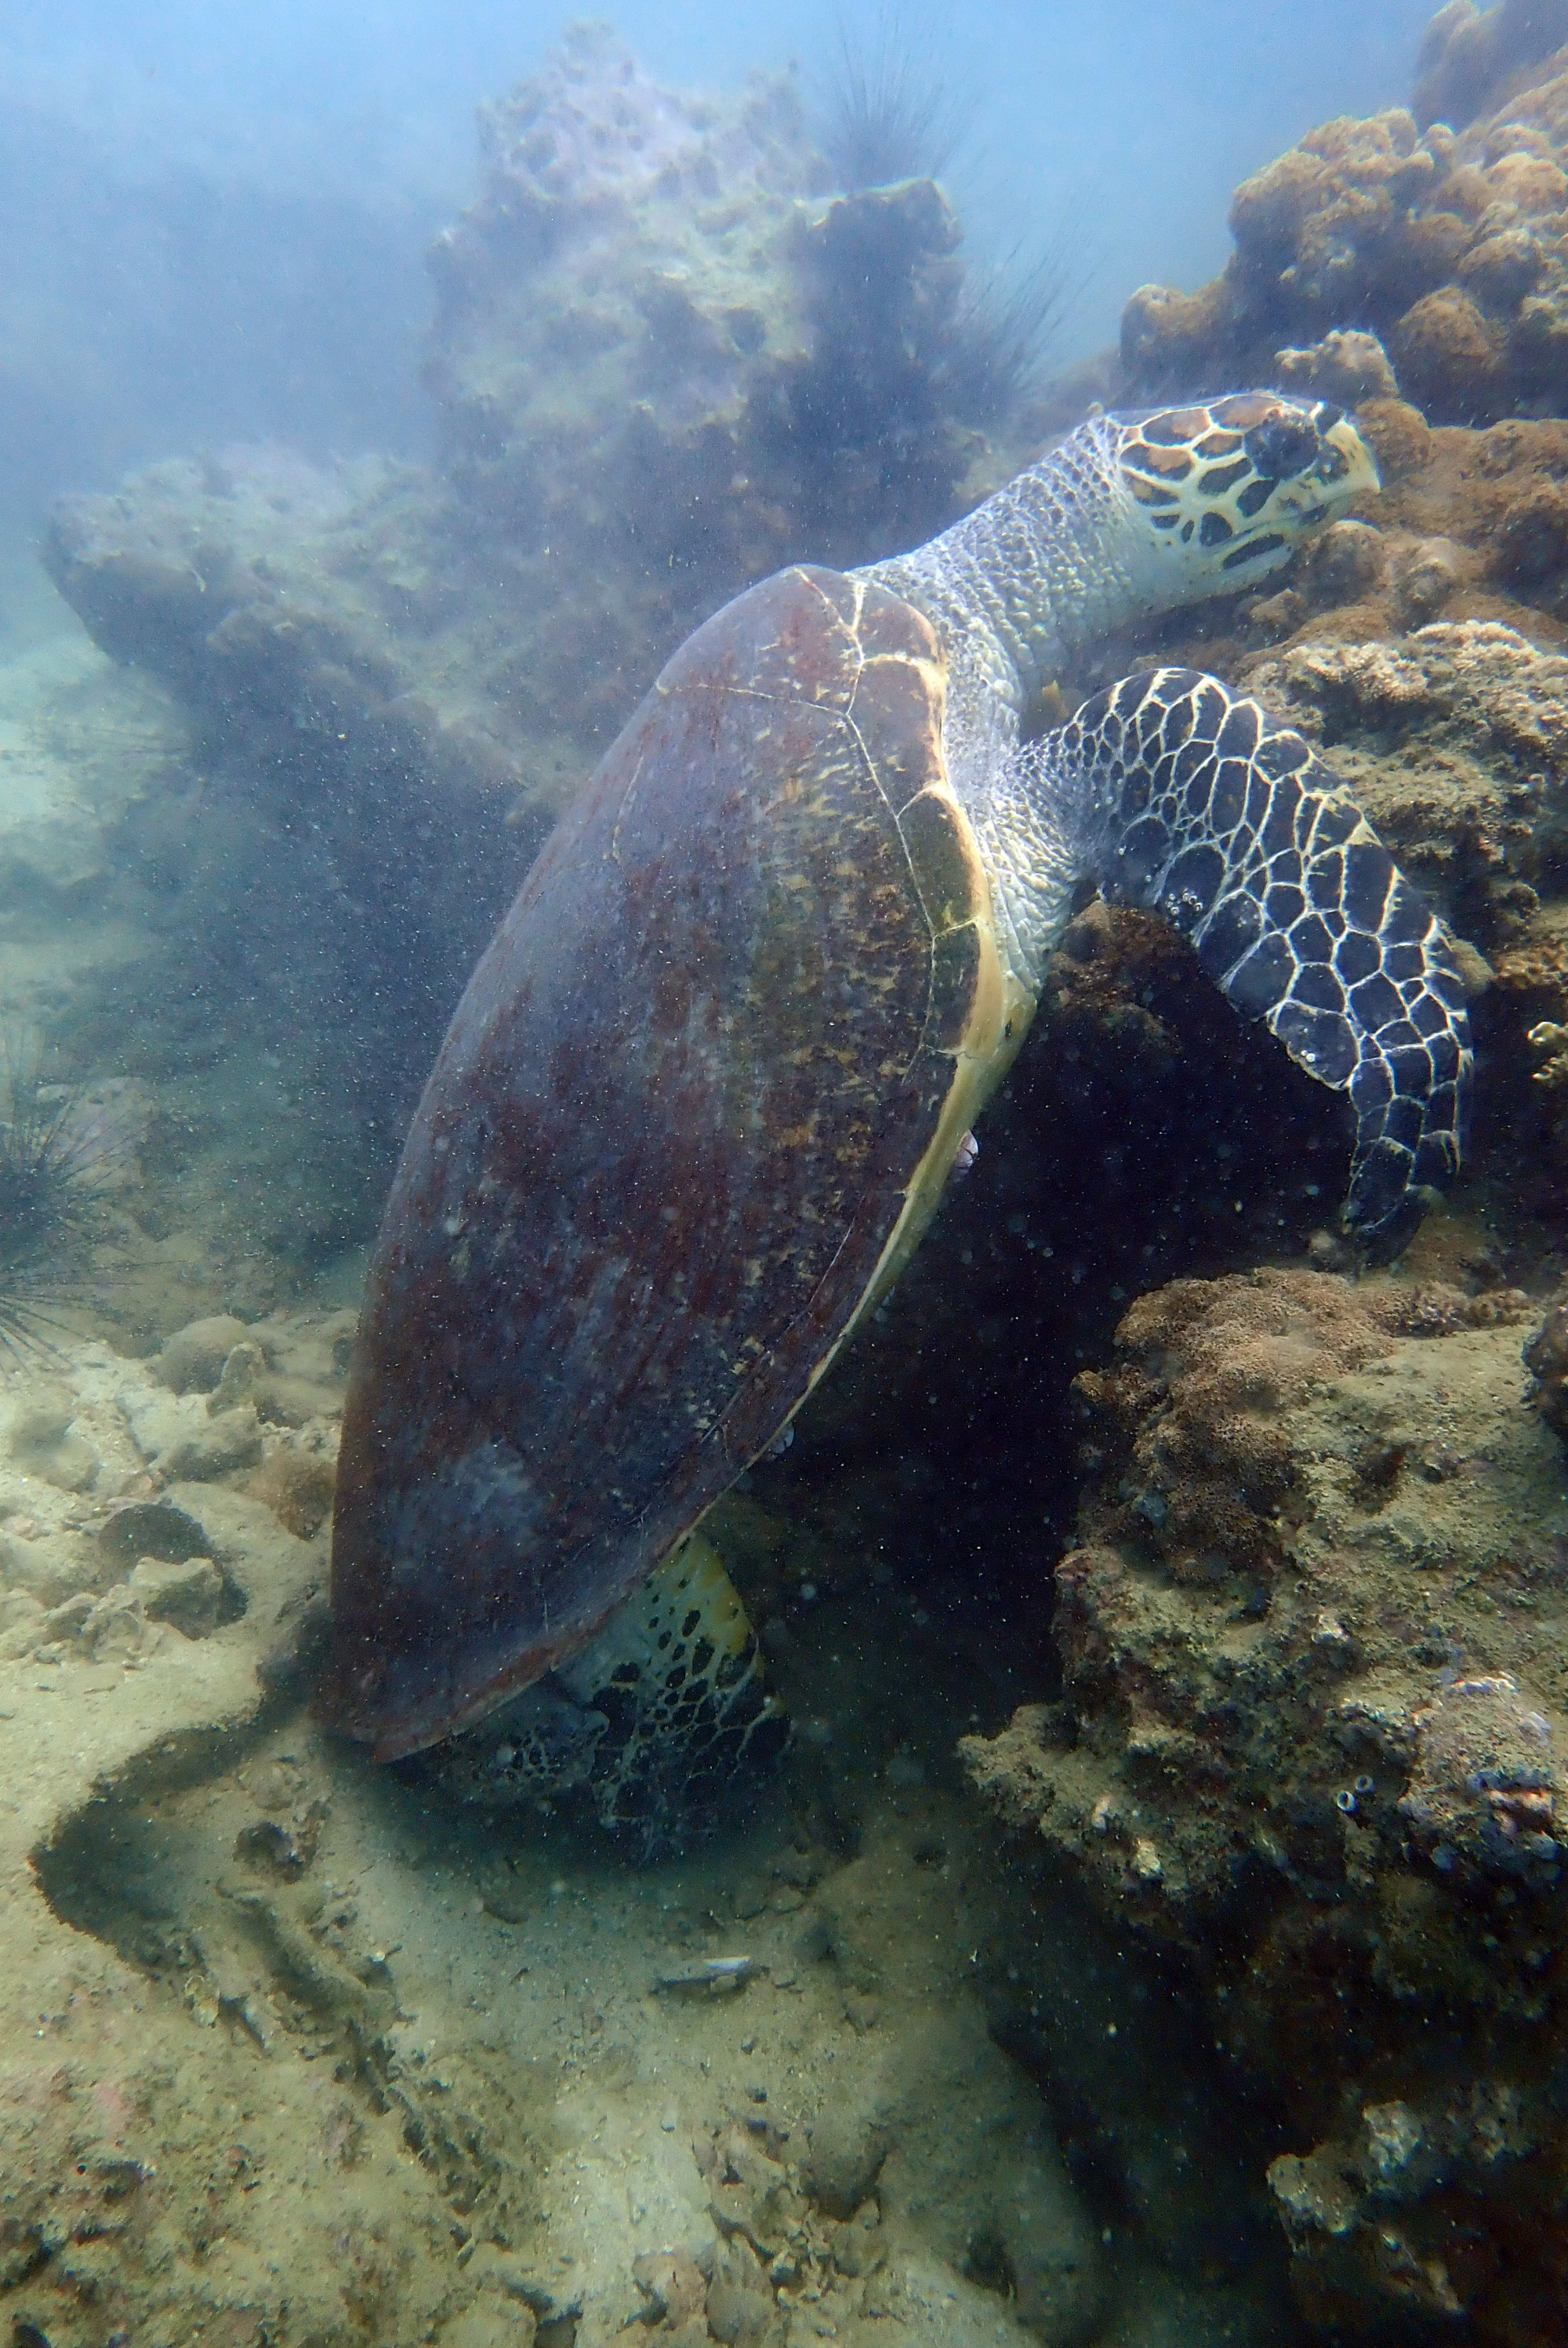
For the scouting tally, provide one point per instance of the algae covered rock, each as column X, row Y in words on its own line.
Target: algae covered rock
column 1439, row 232
column 666, row 357
column 1546, row 1357
column 1312, row 1730
column 1471, row 58
column 1457, row 736
column 192, row 1358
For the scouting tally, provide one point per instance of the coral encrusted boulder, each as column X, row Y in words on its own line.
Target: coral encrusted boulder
column 1313, row 1733
column 1444, row 236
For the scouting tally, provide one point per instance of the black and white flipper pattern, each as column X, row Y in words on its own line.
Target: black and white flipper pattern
column 1180, row 796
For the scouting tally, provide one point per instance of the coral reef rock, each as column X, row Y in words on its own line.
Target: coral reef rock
column 666, row 359
column 1458, row 738
column 1314, row 1735
column 1473, row 60
column 1443, row 233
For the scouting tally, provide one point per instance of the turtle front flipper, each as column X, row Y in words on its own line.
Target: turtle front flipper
column 1179, row 795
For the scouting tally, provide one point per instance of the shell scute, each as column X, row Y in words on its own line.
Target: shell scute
column 942, row 856
column 955, row 976
column 897, row 713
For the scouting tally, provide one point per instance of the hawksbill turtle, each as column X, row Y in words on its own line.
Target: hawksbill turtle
column 701, row 1098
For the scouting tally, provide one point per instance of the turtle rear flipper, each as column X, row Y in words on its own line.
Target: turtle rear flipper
column 1180, row 796
column 663, row 1720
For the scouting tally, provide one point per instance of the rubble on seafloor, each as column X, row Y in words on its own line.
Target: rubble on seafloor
column 291, row 2052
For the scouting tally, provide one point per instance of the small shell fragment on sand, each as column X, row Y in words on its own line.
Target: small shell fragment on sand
column 716, row 1976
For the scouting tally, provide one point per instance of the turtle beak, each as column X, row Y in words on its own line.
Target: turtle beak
column 1333, row 468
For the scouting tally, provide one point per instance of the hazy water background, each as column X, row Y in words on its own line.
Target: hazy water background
column 214, row 217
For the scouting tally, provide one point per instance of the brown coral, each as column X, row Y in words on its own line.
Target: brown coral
column 1450, row 249
column 1453, row 361
column 1208, row 1367
column 1533, row 542
column 1471, row 58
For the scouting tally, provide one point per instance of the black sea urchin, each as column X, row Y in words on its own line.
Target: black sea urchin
column 51, row 1211
column 890, row 107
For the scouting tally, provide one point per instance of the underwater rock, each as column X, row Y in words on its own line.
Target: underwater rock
column 231, row 1439
column 1424, row 578
column 1450, row 250
column 1484, row 1786
column 1347, row 365
column 1547, row 1358
column 189, row 1595
column 244, row 1367
column 151, row 1529
column 1533, row 542
column 297, row 1486
column 40, row 1441
column 1471, row 58
column 775, row 369
column 848, row 2147
column 192, row 1359
column 1453, row 360
column 1313, row 1640
column 361, row 809
column 1347, row 562
column 1358, row 2211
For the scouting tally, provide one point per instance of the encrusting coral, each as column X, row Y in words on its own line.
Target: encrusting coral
column 1450, row 244
column 1312, row 1734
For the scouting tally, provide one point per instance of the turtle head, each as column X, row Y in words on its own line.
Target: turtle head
column 1225, row 491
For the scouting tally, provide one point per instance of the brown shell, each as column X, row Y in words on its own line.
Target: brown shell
column 696, row 1103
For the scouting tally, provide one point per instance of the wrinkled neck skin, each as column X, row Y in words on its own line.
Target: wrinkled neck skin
column 1016, row 590
column 1029, row 579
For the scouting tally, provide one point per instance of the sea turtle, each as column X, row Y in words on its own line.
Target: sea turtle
column 702, row 1093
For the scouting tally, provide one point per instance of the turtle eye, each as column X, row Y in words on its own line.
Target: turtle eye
column 1283, row 445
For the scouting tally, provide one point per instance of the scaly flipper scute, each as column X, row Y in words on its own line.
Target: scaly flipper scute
column 1184, row 797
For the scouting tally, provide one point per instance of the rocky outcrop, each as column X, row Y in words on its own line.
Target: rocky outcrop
column 1312, row 1734
column 1443, row 236
column 1473, row 60
column 362, row 816
column 669, row 359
